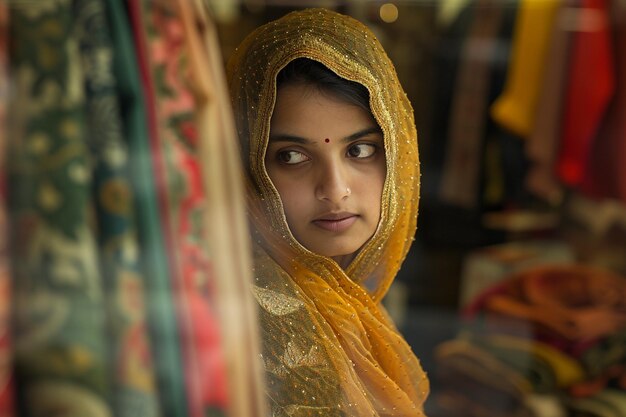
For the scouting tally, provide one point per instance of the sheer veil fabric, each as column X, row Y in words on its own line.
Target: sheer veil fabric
column 328, row 346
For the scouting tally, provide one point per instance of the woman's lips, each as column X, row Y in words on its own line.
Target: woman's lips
column 336, row 225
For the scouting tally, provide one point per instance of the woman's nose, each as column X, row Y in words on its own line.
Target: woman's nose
column 333, row 184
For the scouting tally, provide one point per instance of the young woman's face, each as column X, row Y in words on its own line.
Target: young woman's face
column 326, row 159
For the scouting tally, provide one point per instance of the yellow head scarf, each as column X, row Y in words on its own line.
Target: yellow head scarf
column 328, row 347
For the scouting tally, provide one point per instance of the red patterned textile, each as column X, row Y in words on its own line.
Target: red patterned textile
column 183, row 203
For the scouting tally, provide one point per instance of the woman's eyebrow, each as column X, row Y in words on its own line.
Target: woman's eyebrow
column 362, row 133
column 290, row 138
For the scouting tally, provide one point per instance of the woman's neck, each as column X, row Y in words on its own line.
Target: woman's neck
column 344, row 260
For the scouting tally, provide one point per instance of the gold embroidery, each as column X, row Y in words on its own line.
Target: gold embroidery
column 276, row 303
column 296, row 356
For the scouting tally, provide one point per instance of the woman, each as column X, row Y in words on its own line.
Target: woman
column 329, row 142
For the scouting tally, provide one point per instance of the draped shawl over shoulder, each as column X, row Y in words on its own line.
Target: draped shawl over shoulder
column 328, row 347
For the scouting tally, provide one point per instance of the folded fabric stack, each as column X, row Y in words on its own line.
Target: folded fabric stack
column 552, row 332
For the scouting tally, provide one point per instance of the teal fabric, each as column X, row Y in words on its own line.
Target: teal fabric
column 154, row 260
column 130, row 359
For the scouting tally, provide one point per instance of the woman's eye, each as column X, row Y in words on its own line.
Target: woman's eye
column 292, row 157
column 361, row 150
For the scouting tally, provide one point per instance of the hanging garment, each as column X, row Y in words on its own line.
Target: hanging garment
column 328, row 347
column 447, row 56
column 515, row 109
column 543, row 142
column 181, row 193
column 226, row 226
column 605, row 176
column 132, row 379
column 61, row 356
column 101, row 253
column 174, row 46
column 6, row 366
column 586, row 102
column 140, row 95
column 467, row 125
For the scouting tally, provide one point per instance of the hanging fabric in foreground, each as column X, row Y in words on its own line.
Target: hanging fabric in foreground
column 141, row 128
column 126, row 214
column 6, row 366
column 182, row 201
column 132, row 379
column 205, row 258
column 61, row 358
column 225, row 218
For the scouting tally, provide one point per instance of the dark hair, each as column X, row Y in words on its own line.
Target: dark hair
column 310, row 72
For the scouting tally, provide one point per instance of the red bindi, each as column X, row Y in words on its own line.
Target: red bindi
column 326, row 140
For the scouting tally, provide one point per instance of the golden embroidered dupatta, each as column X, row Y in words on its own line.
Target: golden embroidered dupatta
column 328, row 346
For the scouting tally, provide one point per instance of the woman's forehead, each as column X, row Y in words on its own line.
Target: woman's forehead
column 313, row 114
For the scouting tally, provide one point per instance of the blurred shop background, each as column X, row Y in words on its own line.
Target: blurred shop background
column 520, row 108
column 120, row 297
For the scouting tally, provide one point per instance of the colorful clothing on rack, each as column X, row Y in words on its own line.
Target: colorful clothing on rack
column 227, row 239
column 142, row 127
column 114, row 290
column 515, row 109
column 61, row 355
column 6, row 365
column 543, row 142
column 586, row 102
column 460, row 183
column 132, row 378
column 183, row 204
column 605, row 177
